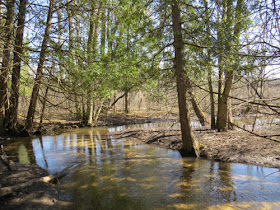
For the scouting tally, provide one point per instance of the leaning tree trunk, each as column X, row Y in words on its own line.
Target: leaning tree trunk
column 188, row 138
column 6, row 60
column 37, row 83
column 13, row 109
column 196, row 107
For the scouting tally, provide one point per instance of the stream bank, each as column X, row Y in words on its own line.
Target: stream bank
column 44, row 195
column 235, row 146
column 39, row 195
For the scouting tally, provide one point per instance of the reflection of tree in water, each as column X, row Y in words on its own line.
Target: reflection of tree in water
column 21, row 151
column 187, row 182
column 202, row 183
column 23, row 155
column 43, row 151
column 225, row 188
column 97, row 184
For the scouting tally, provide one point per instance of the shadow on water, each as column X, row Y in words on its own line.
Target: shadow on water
column 118, row 174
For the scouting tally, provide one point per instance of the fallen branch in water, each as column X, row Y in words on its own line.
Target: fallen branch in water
column 156, row 138
column 51, row 178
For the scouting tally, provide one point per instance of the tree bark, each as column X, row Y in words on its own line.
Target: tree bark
column 6, row 60
column 126, row 103
column 13, row 109
column 43, row 106
column 233, row 40
column 197, row 109
column 209, row 69
column 220, row 60
column 188, row 138
column 90, row 111
column 37, row 83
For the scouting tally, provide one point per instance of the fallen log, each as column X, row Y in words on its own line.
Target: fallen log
column 51, row 178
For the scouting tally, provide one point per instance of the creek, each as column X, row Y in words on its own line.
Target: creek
column 117, row 174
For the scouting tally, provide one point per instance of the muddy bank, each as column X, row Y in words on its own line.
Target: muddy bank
column 234, row 146
column 54, row 127
column 39, row 195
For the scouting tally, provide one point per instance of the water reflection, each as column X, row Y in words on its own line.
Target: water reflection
column 118, row 174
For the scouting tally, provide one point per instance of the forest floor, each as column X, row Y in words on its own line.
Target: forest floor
column 235, row 146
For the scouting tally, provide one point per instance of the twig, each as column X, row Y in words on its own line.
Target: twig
column 266, row 137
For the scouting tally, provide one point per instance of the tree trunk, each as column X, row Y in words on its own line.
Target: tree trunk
column 126, row 103
column 197, row 109
column 97, row 111
column 230, row 124
column 13, row 109
column 188, row 138
column 1, row 31
column 90, row 105
column 209, row 68
column 223, row 113
column 220, row 59
column 231, row 43
column 103, row 30
column 43, row 107
column 6, row 60
column 37, row 83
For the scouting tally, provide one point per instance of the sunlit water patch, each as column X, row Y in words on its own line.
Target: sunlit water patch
column 117, row 174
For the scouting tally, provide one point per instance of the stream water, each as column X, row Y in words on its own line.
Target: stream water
column 117, row 174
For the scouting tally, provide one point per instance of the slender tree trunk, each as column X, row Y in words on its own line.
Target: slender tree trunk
column 43, row 107
column 13, row 109
column 97, row 111
column 188, row 138
column 209, row 68
column 126, row 103
column 230, row 124
column 90, row 111
column 103, row 30
column 8, row 32
column 1, row 31
column 197, row 108
column 115, row 109
column 37, row 83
